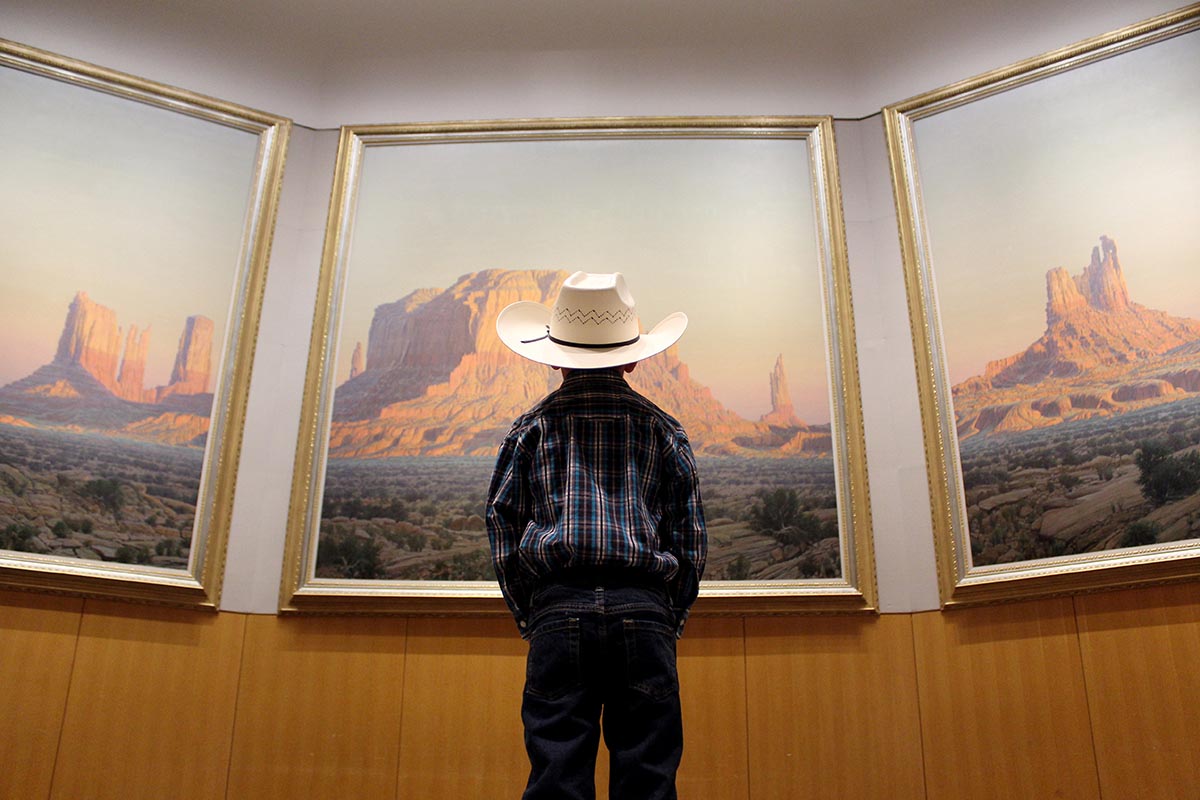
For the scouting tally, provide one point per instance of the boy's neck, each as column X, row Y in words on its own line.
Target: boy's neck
column 619, row 372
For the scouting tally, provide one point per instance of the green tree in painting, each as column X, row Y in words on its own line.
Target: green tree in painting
column 350, row 556
column 1142, row 532
column 780, row 514
column 107, row 491
column 21, row 538
column 1164, row 476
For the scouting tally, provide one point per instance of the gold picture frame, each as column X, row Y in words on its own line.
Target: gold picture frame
column 1041, row 451
column 139, row 186
column 441, row 220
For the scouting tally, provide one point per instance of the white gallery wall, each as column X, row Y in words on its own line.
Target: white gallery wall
column 368, row 61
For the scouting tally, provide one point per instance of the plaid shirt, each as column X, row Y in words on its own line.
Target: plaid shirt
column 595, row 475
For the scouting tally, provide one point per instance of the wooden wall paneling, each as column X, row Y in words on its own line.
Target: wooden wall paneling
column 150, row 711
column 712, row 678
column 1141, row 656
column 833, row 708
column 38, row 634
column 1003, row 706
column 461, row 735
column 319, row 708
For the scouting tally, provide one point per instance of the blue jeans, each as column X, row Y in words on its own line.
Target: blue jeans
column 602, row 648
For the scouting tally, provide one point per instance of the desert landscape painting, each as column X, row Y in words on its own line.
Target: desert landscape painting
column 1089, row 438
column 416, row 428
column 123, row 227
column 96, row 465
column 447, row 235
column 1061, row 218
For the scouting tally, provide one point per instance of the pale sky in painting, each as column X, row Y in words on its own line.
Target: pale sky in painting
column 1028, row 180
column 141, row 208
column 720, row 229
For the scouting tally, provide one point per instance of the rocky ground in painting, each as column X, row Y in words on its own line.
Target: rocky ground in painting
column 422, row 518
column 1085, row 486
column 95, row 497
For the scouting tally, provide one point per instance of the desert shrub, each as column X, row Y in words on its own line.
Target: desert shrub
column 1037, row 460
column 985, row 475
column 131, row 554
column 1142, row 532
column 738, row 569
column 1164, row 476
column 1067, row 455
column 107, row 491
column 350, row 556
column 816, row 563
column 168, row 547
column 365, row 508
column 16, row 483
column 409, row 538
column 1069, row 481
column 20, row 537
column 473, row 566
column 775, row 510
column 780, row 515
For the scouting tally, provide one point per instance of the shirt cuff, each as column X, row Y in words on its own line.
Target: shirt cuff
column 681, row 619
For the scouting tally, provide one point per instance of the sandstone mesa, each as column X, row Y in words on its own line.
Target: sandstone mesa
column 95, row 382
column 1101, row 354
column 438, row 381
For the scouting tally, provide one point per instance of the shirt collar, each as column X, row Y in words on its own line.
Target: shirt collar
column 578, row 377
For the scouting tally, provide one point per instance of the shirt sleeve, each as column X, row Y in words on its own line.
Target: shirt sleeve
column 689, row 536
column 508, row 514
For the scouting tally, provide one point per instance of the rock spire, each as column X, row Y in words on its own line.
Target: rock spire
column 356, row 361
column 782, row 411
column 91, row 339
column 193, row 360
column 131, row 381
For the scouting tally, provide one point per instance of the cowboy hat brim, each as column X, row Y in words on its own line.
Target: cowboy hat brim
column 522, row 328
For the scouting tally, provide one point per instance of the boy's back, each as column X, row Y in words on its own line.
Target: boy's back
column 598, row 542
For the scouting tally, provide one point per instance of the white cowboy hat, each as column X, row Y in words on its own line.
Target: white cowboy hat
column 593, row 325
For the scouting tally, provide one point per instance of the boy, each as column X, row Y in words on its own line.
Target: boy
column 598, row 541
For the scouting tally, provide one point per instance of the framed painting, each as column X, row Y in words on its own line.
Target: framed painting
column 137, row 224
column 433, row 229
column 1048, row 225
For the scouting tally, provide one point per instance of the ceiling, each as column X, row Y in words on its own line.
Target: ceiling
column 326, row 63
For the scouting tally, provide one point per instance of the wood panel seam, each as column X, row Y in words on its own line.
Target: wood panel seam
column 400, row 719
column 237, row 698
column 912, row 637
column 62, row 721
column 746, row 701
column 1087, row 699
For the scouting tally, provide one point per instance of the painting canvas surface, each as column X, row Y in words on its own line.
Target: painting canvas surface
column 445, row 235
column 121, row 226
column 1061, row 218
